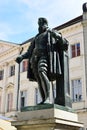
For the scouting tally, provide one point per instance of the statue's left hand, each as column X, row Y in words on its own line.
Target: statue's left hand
column 19, row 59
column 65, row 45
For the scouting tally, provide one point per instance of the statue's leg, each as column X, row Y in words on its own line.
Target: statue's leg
column 42, row 71
column 40, row 85
column 41, row 90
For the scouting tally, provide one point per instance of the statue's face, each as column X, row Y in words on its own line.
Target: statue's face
column 42, row 26
column 42, row 29
column 40, row 22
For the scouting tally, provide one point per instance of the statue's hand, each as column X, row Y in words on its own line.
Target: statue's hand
column 65, row 45
column 19, row 59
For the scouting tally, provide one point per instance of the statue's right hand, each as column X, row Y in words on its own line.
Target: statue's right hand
column 19, row 59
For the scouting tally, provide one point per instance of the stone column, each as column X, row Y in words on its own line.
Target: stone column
column 84, row 23
column 3, row 106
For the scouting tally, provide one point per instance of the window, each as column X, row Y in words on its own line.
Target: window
column 82, row 128
column 9, row 102
column 75, row 50
column 25, row 65
column 76, row 90
column 23, row 98
column 37, row 96
column 12, row 70
column 1, row 74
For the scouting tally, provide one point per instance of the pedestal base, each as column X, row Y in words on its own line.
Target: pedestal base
column 47, row 117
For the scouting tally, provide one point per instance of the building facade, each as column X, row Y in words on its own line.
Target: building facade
column 9, row 77
column 75, row 31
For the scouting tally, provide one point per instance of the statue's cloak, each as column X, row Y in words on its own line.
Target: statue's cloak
column 55, row 48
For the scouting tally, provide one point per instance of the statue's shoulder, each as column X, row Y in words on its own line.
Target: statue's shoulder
column 49, row 30
column 53, row 31
column 36, row 36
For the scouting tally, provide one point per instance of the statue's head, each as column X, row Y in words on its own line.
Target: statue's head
column 43, row 24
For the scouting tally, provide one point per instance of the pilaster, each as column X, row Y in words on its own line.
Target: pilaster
column 15, row 87
column 84, row 23
column 3, row 107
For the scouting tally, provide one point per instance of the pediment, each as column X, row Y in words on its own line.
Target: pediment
column 10, row 85
column 5, row 46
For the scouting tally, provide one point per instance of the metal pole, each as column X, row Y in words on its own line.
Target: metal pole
column 18, row 82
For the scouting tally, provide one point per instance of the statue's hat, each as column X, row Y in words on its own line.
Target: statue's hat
column 43, row 20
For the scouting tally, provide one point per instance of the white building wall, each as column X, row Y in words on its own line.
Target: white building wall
column 77, row 33
column 74, row 34
column 9, row 84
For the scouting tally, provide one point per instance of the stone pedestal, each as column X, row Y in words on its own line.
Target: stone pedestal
column 47, row 117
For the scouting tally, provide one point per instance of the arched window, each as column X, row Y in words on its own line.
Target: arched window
column 9, row 96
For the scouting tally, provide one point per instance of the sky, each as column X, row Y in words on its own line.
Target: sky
column 18, row 18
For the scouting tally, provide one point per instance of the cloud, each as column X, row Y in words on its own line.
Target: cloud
column 18, row 18
column 55, row 11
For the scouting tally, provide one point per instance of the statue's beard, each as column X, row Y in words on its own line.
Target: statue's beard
column 42, row 29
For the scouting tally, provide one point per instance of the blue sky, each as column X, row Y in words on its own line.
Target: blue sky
column 18, row 18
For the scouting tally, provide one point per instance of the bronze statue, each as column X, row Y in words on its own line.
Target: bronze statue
column 43, row 55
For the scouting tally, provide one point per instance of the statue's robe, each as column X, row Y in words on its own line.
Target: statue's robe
column 55, row 47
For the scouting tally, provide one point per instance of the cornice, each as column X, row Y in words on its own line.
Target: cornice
column 70, row 23
column 71, row 28
column 5, row 64
column 13, row 49
column 84, row 23
column 9, row 51
column 8, row 43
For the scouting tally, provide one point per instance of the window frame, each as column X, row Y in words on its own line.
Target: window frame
column 76, row 90
column 76, row 51
column 23, row 97
column 1, row 74
column 9, row 102
column 12, row 70
column 24, row 65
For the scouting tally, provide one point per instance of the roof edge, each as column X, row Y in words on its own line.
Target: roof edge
column 29, row 40
column 69, row 23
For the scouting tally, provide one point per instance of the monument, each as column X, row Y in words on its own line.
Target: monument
column 48, row 61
